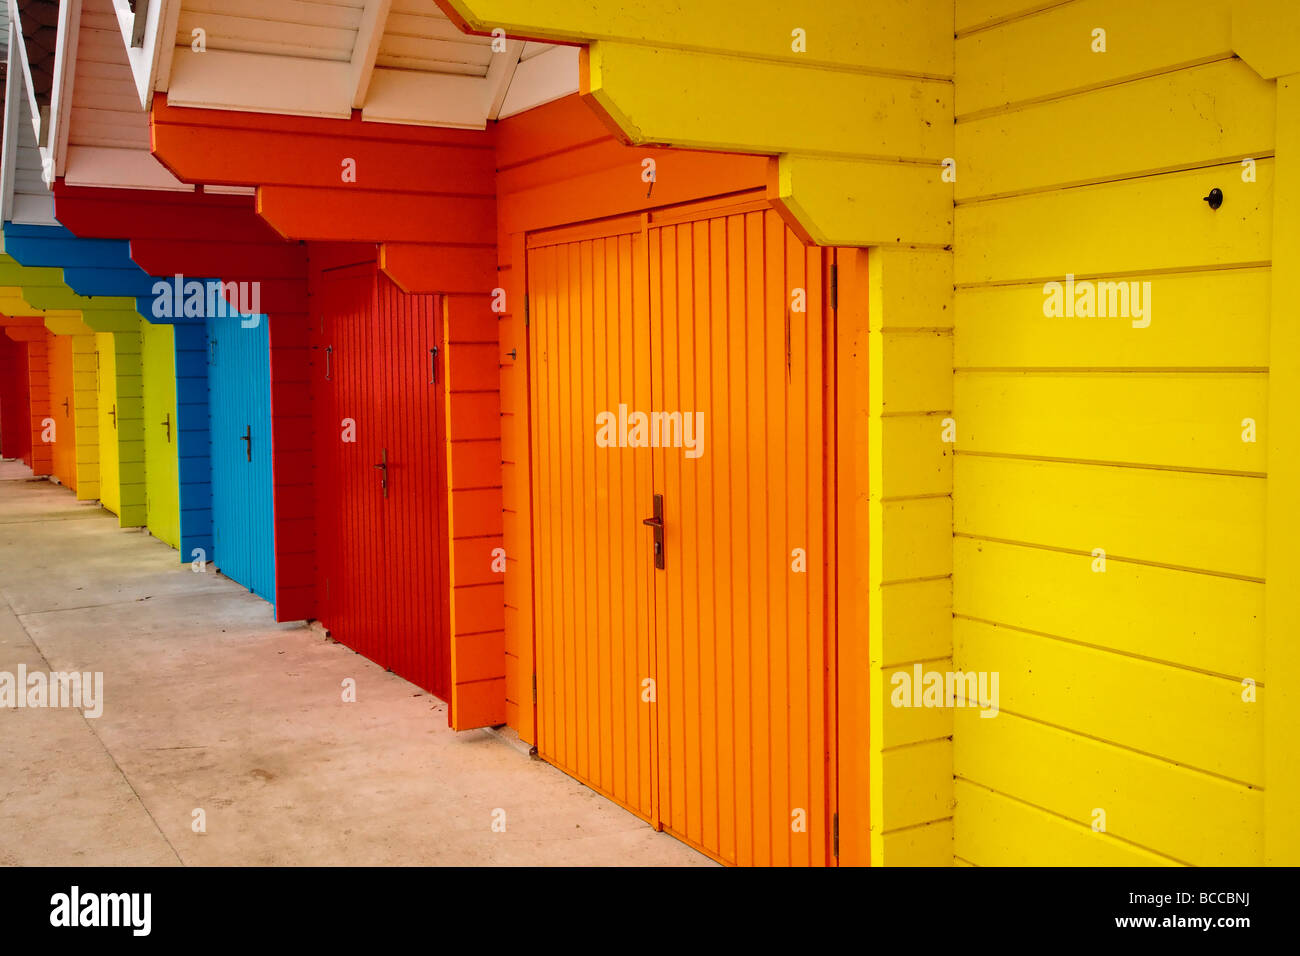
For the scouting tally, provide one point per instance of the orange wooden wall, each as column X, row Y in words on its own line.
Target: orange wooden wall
column 559, row 164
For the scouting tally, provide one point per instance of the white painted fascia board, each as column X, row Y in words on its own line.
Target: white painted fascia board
column 54, row 152
column 427, row 99
column 33, row 211
column 119, row 168
column 16, row 43
column 259, row 83
column 369, row 34
column 501, row 71
column 165, row 47
column 144, row 58
column 20, row 142
column 542, row 79
column 13, row 91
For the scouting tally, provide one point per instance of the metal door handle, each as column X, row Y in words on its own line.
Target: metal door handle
column 383, row 471
column 433, row 365
column 112, row 413
column 167, row 424
column 65, row 408
column 247, row 437
column 657, row 523
column 329, row 350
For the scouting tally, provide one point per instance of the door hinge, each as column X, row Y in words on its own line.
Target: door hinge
column 835, row 835
column 835, row 288
column 534, row 688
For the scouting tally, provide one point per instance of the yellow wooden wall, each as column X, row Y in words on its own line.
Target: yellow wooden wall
column 859, row 118
column 87, row 415
column 1120, row 690
column 910, row 356
column 121, row 424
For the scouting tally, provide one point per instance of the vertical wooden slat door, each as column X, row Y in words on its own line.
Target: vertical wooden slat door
column 590, row 344
column 382, row 554
column 161, row 471
column 409, row 374
column 110, row 481
column 232, row 547
column 741, row 628
column 63, row 409
column 351, row 501
column 239, row 399
column 696, row 320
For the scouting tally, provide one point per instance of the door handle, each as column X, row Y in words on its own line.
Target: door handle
column 112, row 413
column 383, row 471
column 657, row 523
column 433, row 365
column 329, row 350
column 248, row 438
column 65, row 408
column 167, row 424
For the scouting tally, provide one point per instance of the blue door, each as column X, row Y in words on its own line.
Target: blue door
column 239, row 376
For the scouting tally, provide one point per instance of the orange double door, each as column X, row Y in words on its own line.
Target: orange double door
column 684, row 641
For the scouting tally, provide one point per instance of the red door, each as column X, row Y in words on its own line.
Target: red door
column 378, row 435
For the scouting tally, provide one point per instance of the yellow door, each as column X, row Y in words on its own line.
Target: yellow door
column 162, row 485
column 678, row 393
column 110, row 482
column 63, row 409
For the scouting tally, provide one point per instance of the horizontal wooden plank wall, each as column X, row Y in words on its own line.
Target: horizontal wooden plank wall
column 25, row 340
column 558, row 164
column 87, row 415
column 1124, row 735
column 906, row 294
column 854, row 99
column 15, row 432
column 38, row 384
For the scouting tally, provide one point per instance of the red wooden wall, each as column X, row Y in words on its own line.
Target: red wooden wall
column 15, row 404
column 32, row 337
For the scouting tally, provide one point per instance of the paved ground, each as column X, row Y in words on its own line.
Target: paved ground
column 210, row 705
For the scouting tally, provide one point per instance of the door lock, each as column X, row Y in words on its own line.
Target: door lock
column 657, row 522
column 383, row 470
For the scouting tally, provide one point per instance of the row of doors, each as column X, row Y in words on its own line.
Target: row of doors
column 379, row 432
column 680, row 592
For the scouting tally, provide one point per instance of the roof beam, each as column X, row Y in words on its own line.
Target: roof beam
column 500, row 73
column 369, row 34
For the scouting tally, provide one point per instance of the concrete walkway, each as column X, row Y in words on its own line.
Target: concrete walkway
column 209, row 705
